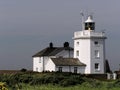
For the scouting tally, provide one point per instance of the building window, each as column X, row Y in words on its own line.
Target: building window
column 75, row 69
column 40, row 60
column 96, row 43
column 77, row 43
column 97, row 54
column 77, row 53
column 36, row 68
column 60, row 69
column 97, row 66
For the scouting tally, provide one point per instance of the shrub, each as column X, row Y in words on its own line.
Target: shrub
column 67, row 82
column 62, row 79
column 71, row 80
column 116, row 83
column 23, row 70
column 92, row 83
column 25, row 78
column 36, row 81
column 3, row 86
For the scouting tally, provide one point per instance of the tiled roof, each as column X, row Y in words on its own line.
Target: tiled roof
column 67, row 62
column 51, row 51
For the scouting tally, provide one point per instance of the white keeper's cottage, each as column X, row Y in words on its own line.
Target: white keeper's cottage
column 57, row 59
column 88, row 55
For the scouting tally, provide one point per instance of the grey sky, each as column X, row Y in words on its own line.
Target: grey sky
column 27, row 26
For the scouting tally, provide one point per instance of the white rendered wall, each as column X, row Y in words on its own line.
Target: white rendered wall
column 50, row 66
column 101, row 60
column 87, row 49
column 80, row 69
column 65, row 54
column 44, row 63
column 84, row 52
column 38, row 64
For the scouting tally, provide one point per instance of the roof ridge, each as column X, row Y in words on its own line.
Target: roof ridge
column 51, row 51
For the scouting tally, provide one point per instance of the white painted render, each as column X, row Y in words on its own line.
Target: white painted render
column 87, row 47
column 65, row 54
column 50, row 66
column 44, row 63
column 84, row 52
column 80, row 69
column 101, row 59
column 38, row 64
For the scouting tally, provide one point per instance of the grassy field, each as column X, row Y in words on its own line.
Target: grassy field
column 55, row 81
column 84, row 86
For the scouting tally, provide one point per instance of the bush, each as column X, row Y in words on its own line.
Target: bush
column 25, row 78
column 71, row 80
column 116, row 83
column 52, row 78
column 3, row 86
column 62, row 79
column 36, row 81
column 67, row 82
column 93, row 83
column 23, row 70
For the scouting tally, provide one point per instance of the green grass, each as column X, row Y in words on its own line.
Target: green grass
column 56, row 81
column 84, row 86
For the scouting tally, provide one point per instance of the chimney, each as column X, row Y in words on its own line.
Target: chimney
column 51, row 45
column 66, row 44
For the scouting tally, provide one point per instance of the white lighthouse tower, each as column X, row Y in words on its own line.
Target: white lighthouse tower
column 89, row 47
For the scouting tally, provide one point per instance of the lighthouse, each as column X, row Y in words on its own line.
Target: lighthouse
column 89, row 47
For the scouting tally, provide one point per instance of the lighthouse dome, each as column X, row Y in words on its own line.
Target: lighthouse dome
column 89, row 19
column 89, row 24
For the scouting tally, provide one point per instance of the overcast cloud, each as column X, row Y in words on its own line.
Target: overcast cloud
column 27, row 26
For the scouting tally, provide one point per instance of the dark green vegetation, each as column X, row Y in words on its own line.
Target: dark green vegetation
column 61, row 79
column 55, row 81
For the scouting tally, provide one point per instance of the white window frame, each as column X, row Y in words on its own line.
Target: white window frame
column 77, row 53
column 97, row 68
column 97, row 54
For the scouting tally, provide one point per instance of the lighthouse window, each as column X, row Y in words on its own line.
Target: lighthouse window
column 36, row 68
column 96, row 42
column 97, row 66
column 77, row 43
column 77, row 53
column 97, row 54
